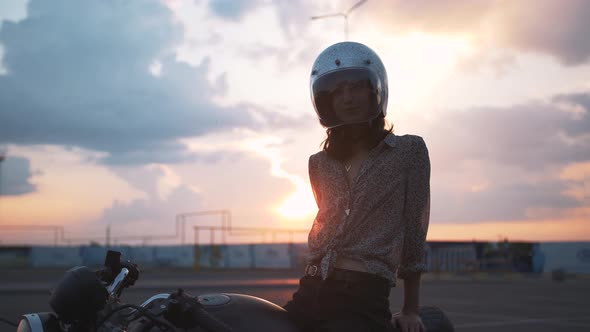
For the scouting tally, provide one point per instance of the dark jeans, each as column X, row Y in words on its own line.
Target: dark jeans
column 338, row 305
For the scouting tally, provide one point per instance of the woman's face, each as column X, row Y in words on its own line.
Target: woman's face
column 351, row 101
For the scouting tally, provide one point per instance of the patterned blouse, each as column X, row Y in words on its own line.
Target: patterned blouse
column 380, row 219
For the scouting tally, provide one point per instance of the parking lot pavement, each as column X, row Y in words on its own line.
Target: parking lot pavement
column 480, row 304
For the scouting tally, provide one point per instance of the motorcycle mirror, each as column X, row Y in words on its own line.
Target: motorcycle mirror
column 113, row 261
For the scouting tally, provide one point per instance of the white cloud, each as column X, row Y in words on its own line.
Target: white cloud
column 13, row 10
column 519, row 25
column 174, row 100
column 70, row 186
column 95, row 80
column 503, row 163
column 15, row 176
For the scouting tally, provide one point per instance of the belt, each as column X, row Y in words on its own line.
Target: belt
column 313, row 270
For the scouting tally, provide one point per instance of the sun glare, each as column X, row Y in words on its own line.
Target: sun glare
column 298, row 205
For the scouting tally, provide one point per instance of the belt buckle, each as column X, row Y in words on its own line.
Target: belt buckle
column 311, row 270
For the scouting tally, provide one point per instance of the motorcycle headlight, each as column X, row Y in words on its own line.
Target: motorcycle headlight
column 39, row 322
column 26, row 324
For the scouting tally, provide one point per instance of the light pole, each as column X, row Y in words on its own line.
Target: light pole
column 2, row 158
column 345, row 15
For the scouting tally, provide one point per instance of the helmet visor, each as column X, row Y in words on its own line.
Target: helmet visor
column 346, row 96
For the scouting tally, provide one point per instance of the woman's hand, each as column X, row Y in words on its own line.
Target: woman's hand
column 408, row 322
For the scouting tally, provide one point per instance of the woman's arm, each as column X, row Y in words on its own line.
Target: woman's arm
column 408, row 320
column 416, row 212
column 416, row 221
column 411, row 294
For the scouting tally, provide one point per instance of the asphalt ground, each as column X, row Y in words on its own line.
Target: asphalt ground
column 473, row 303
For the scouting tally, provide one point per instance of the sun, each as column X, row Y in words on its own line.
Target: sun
column 298, row 205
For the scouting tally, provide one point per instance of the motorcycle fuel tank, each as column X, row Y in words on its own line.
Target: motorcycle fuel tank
column 247, row 313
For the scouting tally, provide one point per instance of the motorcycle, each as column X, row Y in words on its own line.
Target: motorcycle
column 86, row 300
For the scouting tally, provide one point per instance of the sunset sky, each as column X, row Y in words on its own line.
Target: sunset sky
column 126, row 113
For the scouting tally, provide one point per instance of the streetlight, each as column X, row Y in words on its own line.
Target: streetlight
column 2, row 158
column 345, row 15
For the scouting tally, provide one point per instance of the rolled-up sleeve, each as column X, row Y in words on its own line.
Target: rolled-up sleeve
column 416, row 211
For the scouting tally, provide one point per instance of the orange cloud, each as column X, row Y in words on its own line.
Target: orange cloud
column 576, row 171
column 579, row 174
column 519, row 25
column 574, row 229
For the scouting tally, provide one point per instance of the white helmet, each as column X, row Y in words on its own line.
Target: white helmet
column 348, row 64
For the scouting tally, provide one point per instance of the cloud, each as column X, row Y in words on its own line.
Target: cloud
column 293, row 15
column 232, row 9
column 566, row 36
column 152, row 210
column 519, row 25
column 506, row 163
column 489, row 201
column 79, row 75
column 165, row 156
column 242, row 186
column 12, row 10
column 532, row 136
column 164, row 196
column 16, row 176
column 289, row 36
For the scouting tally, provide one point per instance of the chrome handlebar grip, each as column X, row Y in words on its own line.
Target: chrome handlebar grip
column 115, row 288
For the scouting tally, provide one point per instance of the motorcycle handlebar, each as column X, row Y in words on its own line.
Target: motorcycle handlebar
column 115, row 288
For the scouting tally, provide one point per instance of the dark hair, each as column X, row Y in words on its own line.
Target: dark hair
column 340, row 139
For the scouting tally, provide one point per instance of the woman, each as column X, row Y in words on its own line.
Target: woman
column 373, row 192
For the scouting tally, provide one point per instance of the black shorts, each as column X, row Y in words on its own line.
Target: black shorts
column 341, row 305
